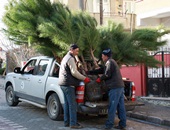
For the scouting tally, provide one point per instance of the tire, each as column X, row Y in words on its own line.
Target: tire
column 11, row 99
column 129, row 108
column 102, row 116
column 54, row 108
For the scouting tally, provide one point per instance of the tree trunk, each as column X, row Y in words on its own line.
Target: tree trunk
column 94, row 60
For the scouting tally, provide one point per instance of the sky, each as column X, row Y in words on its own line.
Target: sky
column 3, row 2
column 2, row 10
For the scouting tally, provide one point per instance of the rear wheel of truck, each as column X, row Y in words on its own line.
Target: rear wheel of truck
column 11, row 99
column 54, row 108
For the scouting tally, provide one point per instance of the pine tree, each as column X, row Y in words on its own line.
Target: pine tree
column 51, row 28
column 131, row 49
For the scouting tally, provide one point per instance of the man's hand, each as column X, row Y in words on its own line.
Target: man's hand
column 87, row 72
column 86, row 80
column 98, row 80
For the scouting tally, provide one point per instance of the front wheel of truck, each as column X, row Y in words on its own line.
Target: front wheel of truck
column 11, row 99
column 54, row 108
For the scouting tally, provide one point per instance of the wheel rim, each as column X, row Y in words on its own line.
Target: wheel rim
column 9, row 96
column 53, row 107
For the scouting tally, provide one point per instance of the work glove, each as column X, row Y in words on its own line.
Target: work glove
column 98, row 80
column 86, row 80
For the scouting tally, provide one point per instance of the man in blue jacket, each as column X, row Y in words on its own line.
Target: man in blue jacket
column 115, row 85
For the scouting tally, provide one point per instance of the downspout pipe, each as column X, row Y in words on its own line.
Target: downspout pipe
column 81, row 4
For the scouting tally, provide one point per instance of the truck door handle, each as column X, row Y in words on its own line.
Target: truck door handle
column 22, row 78
column 28, row 79
column 39, row 81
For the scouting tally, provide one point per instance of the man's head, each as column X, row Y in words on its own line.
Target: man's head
column 106, row 54
column 74, row 49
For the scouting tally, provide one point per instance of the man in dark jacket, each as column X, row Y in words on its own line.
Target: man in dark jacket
column 113, row 79
column 69, row 78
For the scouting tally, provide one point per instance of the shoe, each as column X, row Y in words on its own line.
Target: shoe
column 66, row 125
column 120, row 127
column 76, row 127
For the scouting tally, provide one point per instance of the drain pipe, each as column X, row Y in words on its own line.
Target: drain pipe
column 81, row 4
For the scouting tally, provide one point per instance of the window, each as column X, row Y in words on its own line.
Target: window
column 106, row 6
column 42, row 66
column 56, row 70
column 29, row 68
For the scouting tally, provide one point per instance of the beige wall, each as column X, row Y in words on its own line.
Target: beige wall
column 166, row 21
column 126, row 21
column 150, row 5
column 150, row 22
column 73, row 4
column 115, row 8
column 156, row 22
column 88, row 5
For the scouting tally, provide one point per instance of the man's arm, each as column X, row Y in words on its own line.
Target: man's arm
column 96, row 71
column 107, row 74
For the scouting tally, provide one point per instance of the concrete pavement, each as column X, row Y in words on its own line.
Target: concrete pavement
column 155, row 110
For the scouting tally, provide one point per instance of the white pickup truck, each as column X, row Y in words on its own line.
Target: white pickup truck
column 36, row 83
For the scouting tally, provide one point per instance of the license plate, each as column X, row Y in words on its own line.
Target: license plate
column 103, row 111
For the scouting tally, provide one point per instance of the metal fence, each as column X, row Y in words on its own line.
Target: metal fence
column 159, row 78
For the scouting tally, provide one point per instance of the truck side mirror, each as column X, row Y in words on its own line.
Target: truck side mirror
column 17, row 70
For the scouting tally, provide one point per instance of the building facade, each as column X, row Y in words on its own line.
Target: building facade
column 135, row 13
column 112, row 10
column 153, row 13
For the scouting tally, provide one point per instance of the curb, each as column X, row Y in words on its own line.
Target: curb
column 151, row 119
